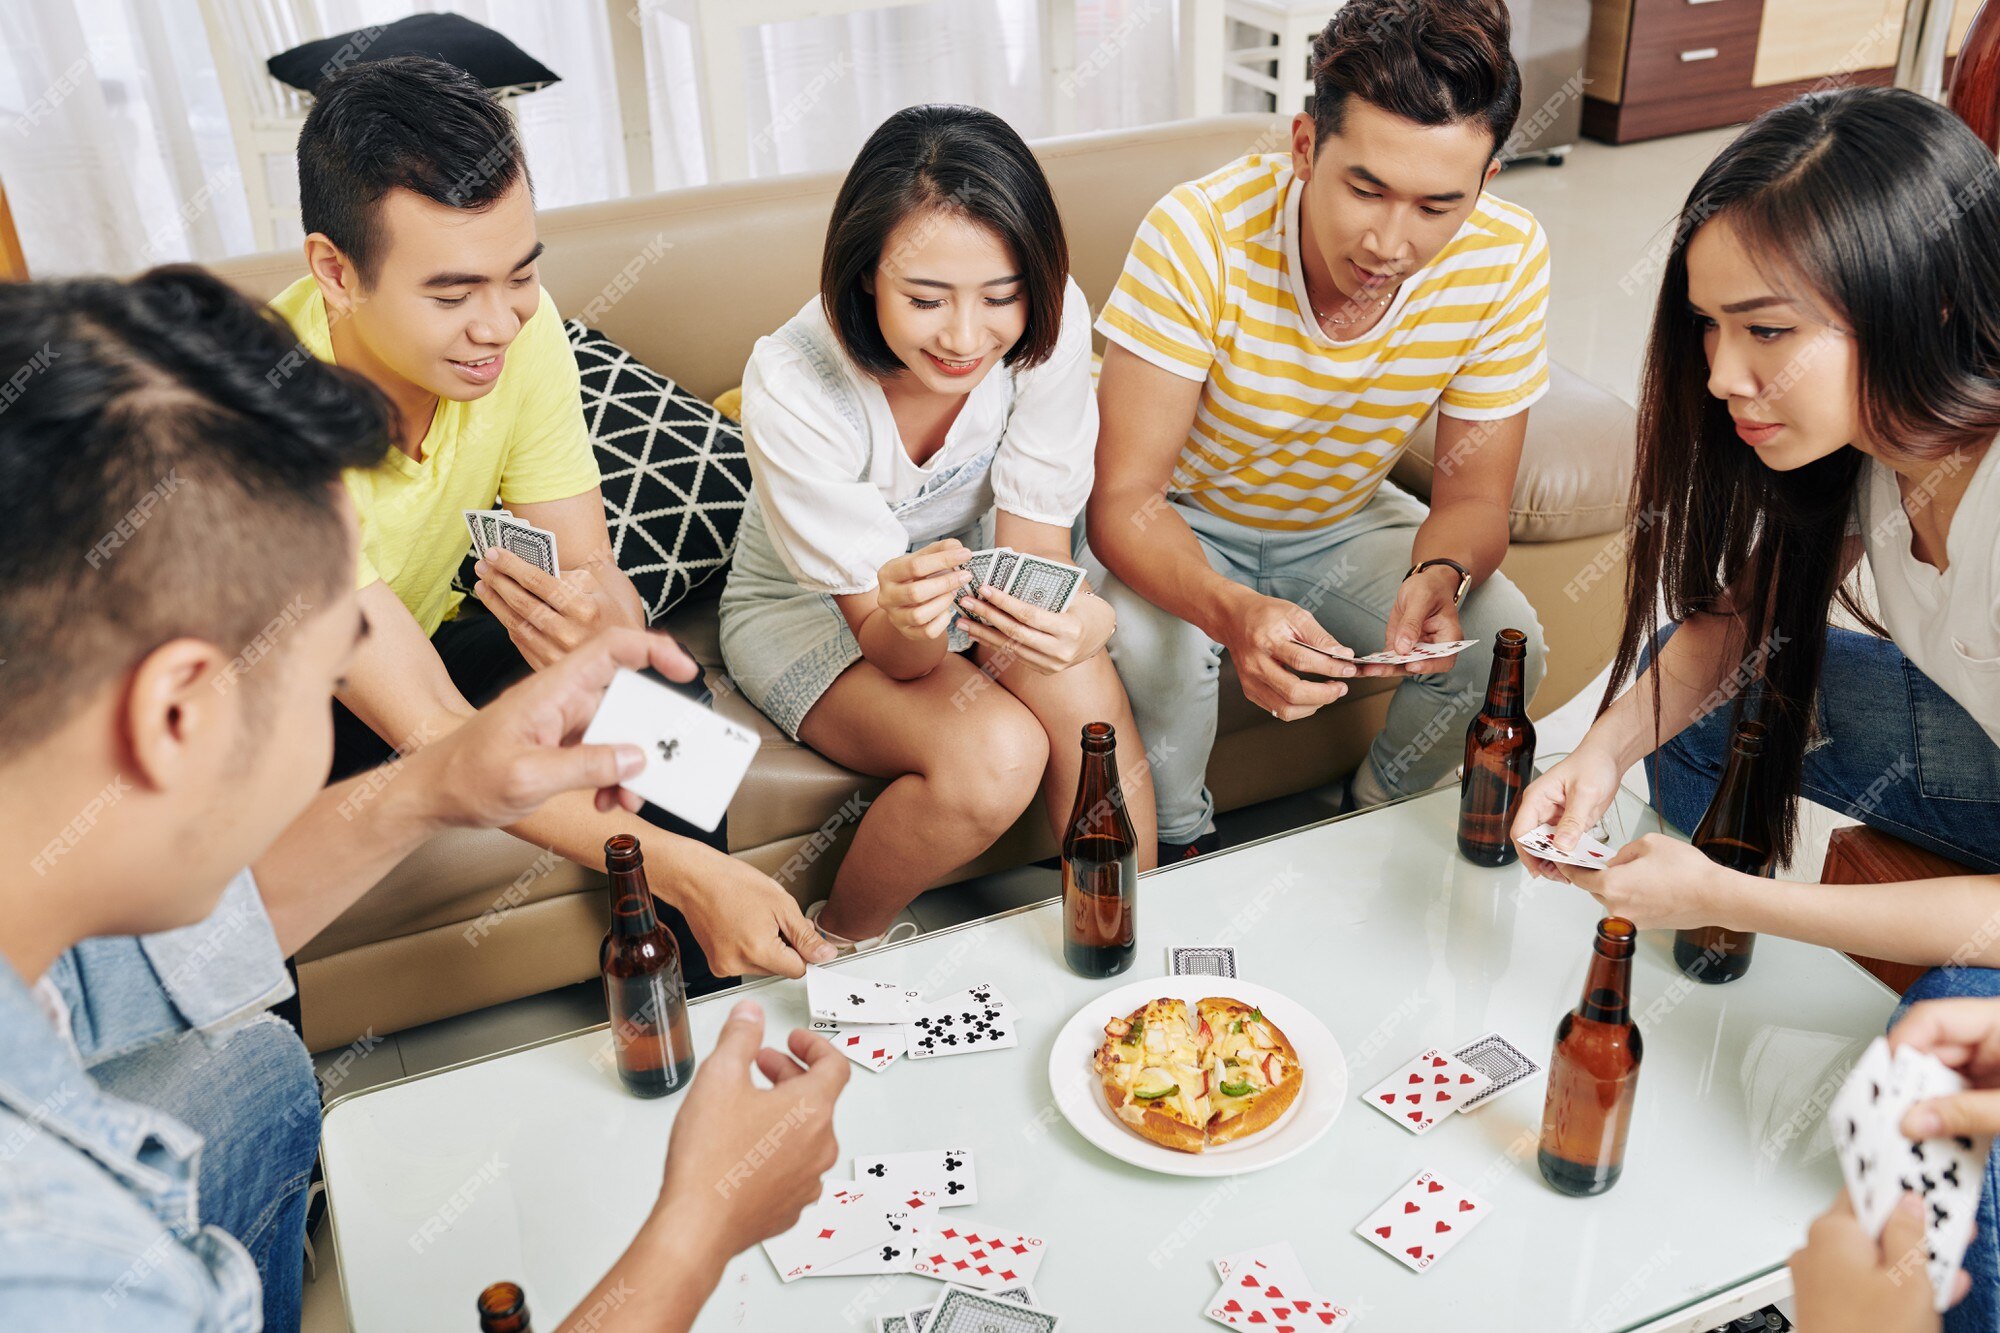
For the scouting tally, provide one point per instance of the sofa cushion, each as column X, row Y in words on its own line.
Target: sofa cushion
column 1576, row 467
column 675, row 475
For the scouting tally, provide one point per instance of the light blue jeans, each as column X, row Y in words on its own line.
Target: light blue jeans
column 1899, row 754
column 255, row 1102
column 1347, row 575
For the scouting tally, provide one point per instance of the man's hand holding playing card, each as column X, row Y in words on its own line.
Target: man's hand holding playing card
column 1844, row 1282
column 547, row 616
column 1278, row 649
column 1425, row 611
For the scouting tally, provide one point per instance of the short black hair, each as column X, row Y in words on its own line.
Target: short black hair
column 1434, row 62
column 954, row 160
column 403, row 123
column 166, row 470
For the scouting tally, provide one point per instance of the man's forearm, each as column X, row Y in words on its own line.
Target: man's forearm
column 342, row 846
column 657, row 1286
column 1472, row 532
column 1145, row 542
column 1929, row 922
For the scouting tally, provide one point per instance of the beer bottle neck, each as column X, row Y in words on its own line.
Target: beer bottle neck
column 1607, row 985
column 632, row 902
column 1739, row 812
column 1504, row 688
column 1100, row 800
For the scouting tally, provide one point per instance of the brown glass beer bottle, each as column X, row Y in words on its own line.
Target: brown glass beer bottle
column 643, row 991
column 1100, row 865
column 1736, row 831
column 1499, row 758
column 503, row 1308
column 1594, row 1073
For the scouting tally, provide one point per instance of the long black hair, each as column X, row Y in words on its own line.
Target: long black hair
column 1881, row 209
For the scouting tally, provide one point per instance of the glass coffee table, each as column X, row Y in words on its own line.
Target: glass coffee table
column 534, row 1166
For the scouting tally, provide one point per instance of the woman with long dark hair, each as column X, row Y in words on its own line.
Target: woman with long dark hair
column 1823, row 382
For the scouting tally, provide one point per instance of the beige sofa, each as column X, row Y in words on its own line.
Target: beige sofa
column 688, row 281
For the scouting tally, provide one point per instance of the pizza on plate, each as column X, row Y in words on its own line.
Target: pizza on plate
column 1190, row 1080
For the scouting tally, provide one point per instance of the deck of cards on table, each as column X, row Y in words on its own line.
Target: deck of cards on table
column 1880, row 1164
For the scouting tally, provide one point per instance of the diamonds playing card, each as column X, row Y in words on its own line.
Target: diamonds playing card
column 842, row 997
column 977, row 1019
column 945, row 1173
column 1588, row 852
column 873, row 1046
column 823, row 1236
column 1201, row 960
column 981, row 1257
column 1423, row 1220
column 1500, row 1060
column 896, row 1254
column 1426, row 1090
column 695, row 760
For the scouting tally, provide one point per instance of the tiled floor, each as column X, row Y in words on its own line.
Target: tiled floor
column 1604, row 212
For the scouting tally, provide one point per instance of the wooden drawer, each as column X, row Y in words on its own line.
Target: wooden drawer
column 1690, row 48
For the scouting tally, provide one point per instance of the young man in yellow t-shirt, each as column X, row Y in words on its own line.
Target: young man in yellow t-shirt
column 421, row 251
column 1281, row 327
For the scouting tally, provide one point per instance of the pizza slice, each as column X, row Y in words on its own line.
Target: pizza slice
column 1252, row 1070
column 1151, row 1067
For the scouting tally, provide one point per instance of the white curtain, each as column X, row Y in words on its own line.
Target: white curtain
column 116, row 151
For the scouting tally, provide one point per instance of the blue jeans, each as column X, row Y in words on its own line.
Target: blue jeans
column 255, row 1102
column 1897, row 753
column 1347, row 576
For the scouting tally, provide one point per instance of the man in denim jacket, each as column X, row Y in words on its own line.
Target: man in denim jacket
column 176, row 607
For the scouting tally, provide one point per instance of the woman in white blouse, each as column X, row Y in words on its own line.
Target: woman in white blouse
column 933, row 398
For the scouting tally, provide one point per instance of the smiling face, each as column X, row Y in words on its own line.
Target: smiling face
column 949, row 299
column 1790, row 376
column 451, row 291
column 1383, row 194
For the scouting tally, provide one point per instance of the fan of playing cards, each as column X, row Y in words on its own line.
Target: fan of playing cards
column 1880, row 1164
column 1079, row 1094
column 1037, row 580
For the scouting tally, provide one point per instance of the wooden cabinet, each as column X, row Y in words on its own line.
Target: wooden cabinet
column 1659, row 67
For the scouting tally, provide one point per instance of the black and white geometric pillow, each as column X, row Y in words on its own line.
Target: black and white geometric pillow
column 675, row 475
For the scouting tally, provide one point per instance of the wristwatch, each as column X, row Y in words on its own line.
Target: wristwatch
column 1464, row 576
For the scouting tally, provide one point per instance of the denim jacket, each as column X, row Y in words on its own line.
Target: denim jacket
column 99, row 1222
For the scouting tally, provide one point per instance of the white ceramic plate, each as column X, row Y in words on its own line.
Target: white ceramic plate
column 1080, row 1096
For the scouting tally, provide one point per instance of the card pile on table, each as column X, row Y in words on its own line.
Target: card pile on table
column 963, row 1310
column 1036, row 580
column 492, row 528
column 1880, row 1164
column 875, row 1023
column 1437, row 1084
column 1266, row 1288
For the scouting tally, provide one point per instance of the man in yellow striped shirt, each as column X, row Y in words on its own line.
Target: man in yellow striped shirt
column 1281, row 327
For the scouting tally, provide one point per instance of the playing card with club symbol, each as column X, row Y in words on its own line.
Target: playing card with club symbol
column 946, row 1173
column 1427, row 1089
column 977, row 1019
column 824, row 1235
column 841, row 997
column 1423, row 1220
column 981, row 1257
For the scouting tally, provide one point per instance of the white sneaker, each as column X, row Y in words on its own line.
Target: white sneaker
column 896, row 933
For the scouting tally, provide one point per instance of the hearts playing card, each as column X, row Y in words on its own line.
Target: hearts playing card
column 694, row 759
column 844, row 998
column 985, row 1258
column 1423, row 1220
column 1267, row 1288
column 945, row 1173
column 1588, row 852
column 873, row 1046
column 977, row 1019
column 1426, row 1090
